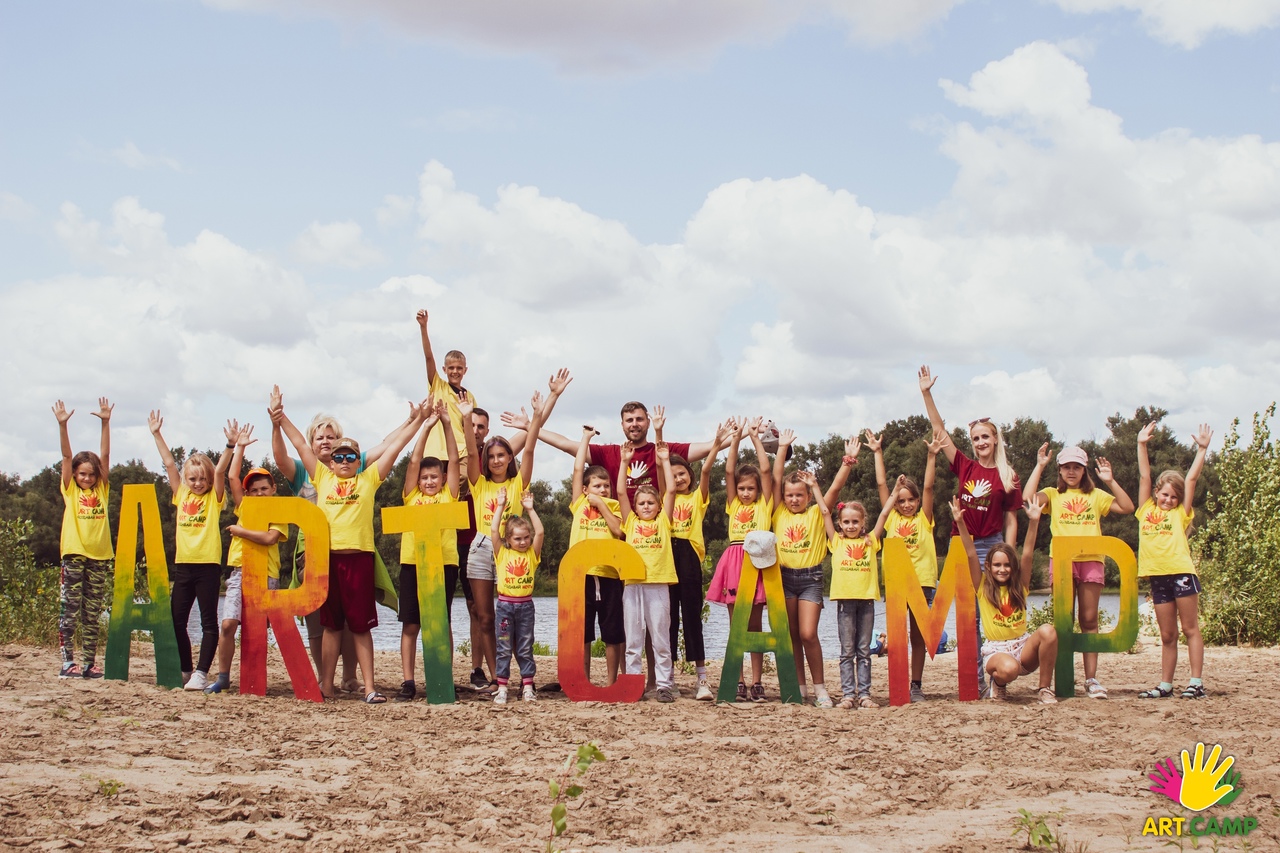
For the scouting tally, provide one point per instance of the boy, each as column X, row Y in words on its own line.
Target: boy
column 590, row 499
column 447, row 388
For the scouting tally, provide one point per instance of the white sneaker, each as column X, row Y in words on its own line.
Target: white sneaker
column 998, row 692
column 704, row 692
column 1095, row 689
column 528, row 695
column 500, row 697
column 198, row 681
column 917, row 693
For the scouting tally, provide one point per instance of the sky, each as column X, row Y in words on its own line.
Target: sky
column 1068, row 208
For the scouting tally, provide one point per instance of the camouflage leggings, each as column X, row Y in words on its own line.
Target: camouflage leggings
column 84, row 590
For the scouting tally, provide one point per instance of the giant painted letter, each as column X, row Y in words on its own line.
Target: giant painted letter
column 427, row 523
column 279, row 606
column 569, row 653
column 777, row 639
column 138, row 502
column 902, row 592
column 1120, row 638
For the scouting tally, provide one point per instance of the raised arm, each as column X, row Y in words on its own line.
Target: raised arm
column 154, row 423
column 926, row 390
column 275, row 411
column 786, row 438
column 430, row 358
column 526, row 501
column 766, row 478
column 658, row 422
column 883, row 519
column 244, row 438
column 580, row 462
column 722, row 436
column 414, row 465
column 663, row 452
column 299, row 442
column 975, row 566
column 876, row 445
column 1122, row 503
column 731, row 461
column 474, row 468
column 391, row 452
column 1034, row 510
column 1202, row 439
column 519, row 424
column 398, row 438
column 850, row 459
column 232, row 432
column 1144, row 463
column 104, row 442
column 555, row 387
column 453, row 474
column 931, row 472
column 1033, row 482
column 811, row 480
column 64, row 439
column 495, row 526
column 620, row 488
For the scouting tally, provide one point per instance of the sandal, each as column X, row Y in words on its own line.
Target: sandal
column 846, row 704
column 374, row 698
column 1193, row 691
column 867, row 702
column 350, row 686
column 1156, row 692
column 1047, row 696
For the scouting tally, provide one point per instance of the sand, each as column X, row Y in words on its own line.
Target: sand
column 109, row 765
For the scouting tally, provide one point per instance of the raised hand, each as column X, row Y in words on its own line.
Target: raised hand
column 926, row 378
column 874, row 443
column 465, row 408
column 938, row 442
column 808, row 478
column 1144, row 434
column 415, row 409
column 589, row 431
column 511, row 420
column 104, row 409
column 659, row 418
column 898, row 485
column 60, row 412
column 421, row 317
column 154, row 421
column 663, row 451
column 851, row 448
column 754, row 424
column 724, row 432
column 441, row 409
column 1201, row 778
column 786, row 438
column 1104, row 470
column 1032, row 508
column 628, row 450
column 231, row 431
column 1203, row 436
column 1042, row 455
column 559, row 381
column 957, row 512
column 526, row 500
column 502, row 497
column 535, row 402
column 245, row 437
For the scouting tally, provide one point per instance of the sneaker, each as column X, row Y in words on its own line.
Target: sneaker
column 186, row 676
column 1094, row 689
column 822, row 700
column 1047, row 697
column 217, row 686
column 757, row 692
column 198, row 681
column 71, row 670
column 92, row 671
column 407, row 691
column 742, row 692
column 478, row 681
column 665, row 695
column 917, row 692
column 489, row 687
column 500, row 698
column 704, row 692
column 528, row 695
column 998, row 692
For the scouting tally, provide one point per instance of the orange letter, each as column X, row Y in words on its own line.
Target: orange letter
column 573, row 608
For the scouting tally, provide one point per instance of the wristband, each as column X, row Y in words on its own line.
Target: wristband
column 230, row 446
column 848, row 460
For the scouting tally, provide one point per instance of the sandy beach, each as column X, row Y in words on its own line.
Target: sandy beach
column 109, row 765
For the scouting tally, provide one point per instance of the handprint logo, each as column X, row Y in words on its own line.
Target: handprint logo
column 1202, row 783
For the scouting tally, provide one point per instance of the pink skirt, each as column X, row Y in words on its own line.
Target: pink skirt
column 724, row 583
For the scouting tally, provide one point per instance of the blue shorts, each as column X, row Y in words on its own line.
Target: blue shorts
column 804, row 584
column 1166, row 588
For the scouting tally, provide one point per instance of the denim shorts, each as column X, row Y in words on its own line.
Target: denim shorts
column 1166, row 588
column 804, row 584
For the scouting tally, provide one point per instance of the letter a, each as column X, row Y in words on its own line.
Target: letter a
column 573, row 607
column 777, row 639
column 128, row 614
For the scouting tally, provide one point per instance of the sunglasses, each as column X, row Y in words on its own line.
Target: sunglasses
column 345, row 457
column 973, row 424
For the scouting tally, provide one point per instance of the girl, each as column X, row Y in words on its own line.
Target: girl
column 855, row 585
column 647, row 603
column 1001, row 590
column 602, row 586
column 1077, row 508
column 487, row 472
column 911, row 520
column 749, row 507
column 199, row 495
column 86, row 543
column 801, row 525
column 1163, row 556
column 516, row 560
column 258, row 483
column 428, row 480
column 689, row 550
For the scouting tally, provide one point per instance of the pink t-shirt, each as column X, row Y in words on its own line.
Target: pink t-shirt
column 983, row 497
column 644, row 468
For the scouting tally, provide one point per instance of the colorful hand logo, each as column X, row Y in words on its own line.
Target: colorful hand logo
column 1201, row 778
column 1168, row 780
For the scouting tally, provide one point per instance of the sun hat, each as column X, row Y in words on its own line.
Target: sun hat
column 1073, row 454
column 761, row 547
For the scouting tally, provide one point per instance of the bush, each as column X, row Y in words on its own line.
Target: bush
column 1238, row 547
column 28, row 592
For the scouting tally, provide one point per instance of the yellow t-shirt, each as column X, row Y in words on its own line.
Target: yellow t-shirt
column 588, row 523
column 744, row 518
column 349, row 505
column 198, row 538
column 448, row 538
column 515, row 571
column 686, row 520
column 802, row 537
column 917, row 533
column 85, row 530
column 1003, row 622
column 442, row 390
column 484, row 495
column 652, row 539
column 235, row 551
column 1074, row 513
column 1162, row 540
column 854, row 573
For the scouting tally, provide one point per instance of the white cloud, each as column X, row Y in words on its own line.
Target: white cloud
column 14, row 208
column 1188, row 22
column 336, row 244
column 395, row 210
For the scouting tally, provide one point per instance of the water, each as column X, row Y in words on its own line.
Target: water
column 386, row 637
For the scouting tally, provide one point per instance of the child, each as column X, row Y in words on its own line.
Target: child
column 1163, row 556
column 346, row 496
column 911, row 520
column 800, row 524
column 603, row 588
column 86, row 543
column 426, row 481
column 749, row 507
column 689, row 550
column 855, row 587
column 487, row 471
column 446, row 388
column 1076, row 510
column 516, row 557
column 258, row 483
column 1001, row 590
column 199, row 494
column 647, row 602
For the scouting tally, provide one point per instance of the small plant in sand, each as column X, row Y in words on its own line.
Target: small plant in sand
column 109, row 787
column 564, row 789
column 1041, row 837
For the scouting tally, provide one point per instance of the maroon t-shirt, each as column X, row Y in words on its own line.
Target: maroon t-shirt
column 644, row 464
column 983, row 497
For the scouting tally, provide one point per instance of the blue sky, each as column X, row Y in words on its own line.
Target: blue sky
column 254, row 122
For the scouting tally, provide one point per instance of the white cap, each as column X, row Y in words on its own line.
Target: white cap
column 761, row 547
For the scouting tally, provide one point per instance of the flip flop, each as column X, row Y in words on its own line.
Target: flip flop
column 375, row 698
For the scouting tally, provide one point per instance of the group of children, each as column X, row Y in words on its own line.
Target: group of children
column 774, row 516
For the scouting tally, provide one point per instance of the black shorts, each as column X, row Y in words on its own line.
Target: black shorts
column 409, row 612
column 607, row 610
column 1166, row 588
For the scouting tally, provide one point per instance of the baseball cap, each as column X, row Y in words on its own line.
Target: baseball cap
column 346, row 444
column 761, row 547
column 1073, row 454
column 255, row 472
